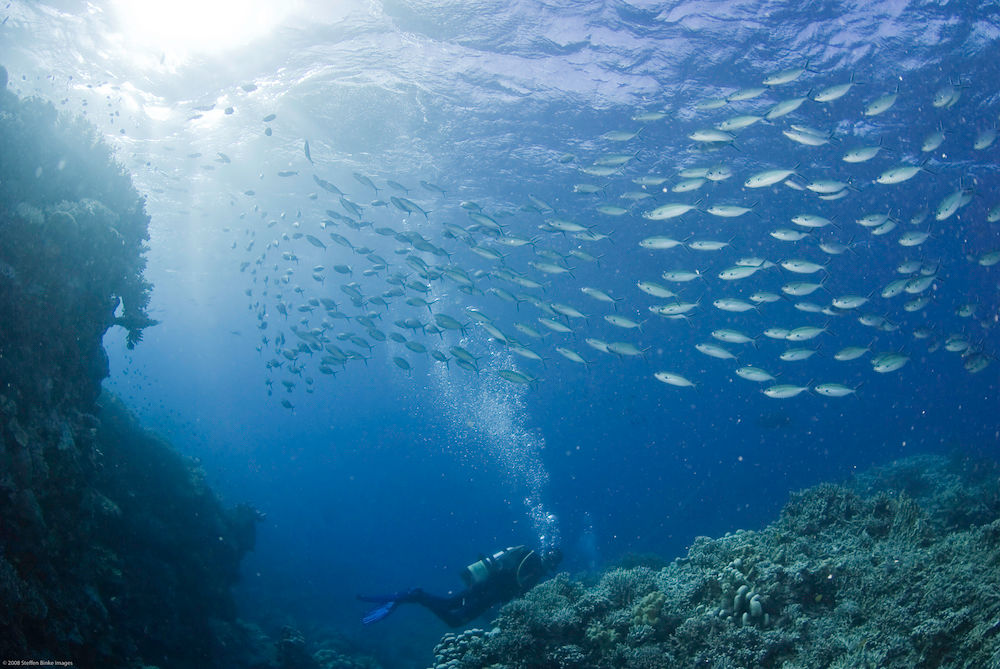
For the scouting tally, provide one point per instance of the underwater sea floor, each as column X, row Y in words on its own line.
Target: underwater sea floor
column 896, row 568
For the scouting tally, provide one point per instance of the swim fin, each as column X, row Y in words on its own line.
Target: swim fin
column 381, row 613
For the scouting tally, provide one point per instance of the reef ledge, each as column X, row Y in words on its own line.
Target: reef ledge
column 113, row 550
column 896, row 568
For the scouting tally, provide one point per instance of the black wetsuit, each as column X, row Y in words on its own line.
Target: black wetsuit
column 504, row 582
column 472, row 602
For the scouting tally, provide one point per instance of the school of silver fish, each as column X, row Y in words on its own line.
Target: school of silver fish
column 328, row 295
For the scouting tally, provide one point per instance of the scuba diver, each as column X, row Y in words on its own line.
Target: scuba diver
column 492, row 580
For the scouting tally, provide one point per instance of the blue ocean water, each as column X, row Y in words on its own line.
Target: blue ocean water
column 377, row 478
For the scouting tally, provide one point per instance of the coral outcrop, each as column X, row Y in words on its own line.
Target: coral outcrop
column 330, row 652
column 113, row 551
column 897, row 568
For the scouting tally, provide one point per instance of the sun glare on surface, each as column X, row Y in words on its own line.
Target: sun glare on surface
column 180, row 28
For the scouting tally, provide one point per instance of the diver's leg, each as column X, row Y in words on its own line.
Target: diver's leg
column 388, row 604
column 449, row 609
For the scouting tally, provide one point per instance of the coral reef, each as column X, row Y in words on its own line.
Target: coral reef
column 74, row 232
column 895, row 569
column 113, row 551
column 331, row 652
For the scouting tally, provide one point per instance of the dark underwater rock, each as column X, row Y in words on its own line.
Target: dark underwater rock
column 113, row 551
column 896, row 569
column 74, row 232
column 327, row 650
column 173, row 551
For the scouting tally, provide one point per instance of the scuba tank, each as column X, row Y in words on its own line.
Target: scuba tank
column 523, row 564
column 480, row 572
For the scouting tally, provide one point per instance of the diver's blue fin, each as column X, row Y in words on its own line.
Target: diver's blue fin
column 381, row 613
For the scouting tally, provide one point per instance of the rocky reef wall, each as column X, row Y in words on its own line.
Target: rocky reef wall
column 899, row 568
column 113, row 551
